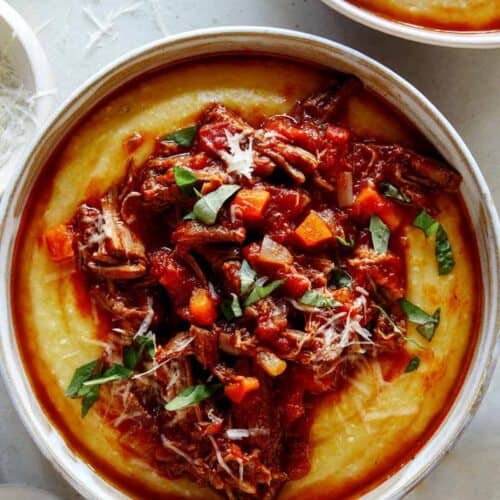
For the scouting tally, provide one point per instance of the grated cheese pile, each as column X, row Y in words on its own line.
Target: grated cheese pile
column 17, row 119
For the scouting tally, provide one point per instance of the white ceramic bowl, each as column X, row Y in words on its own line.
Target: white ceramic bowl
column 29, row 62
column 301, row 47
column 464, row 39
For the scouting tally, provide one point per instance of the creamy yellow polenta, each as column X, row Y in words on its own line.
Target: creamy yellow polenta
column 373, row 425
column 445, row 14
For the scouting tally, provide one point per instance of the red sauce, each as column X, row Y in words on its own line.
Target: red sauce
column 393, row 364
column 427, row 21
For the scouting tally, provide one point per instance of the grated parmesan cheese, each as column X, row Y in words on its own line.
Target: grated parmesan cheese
column 146, row 322
column 155, row 9
column 220, row 458
column 236, row 434
column 168, row 444
column 106, row 26
column 238, row 161
column 17, row 119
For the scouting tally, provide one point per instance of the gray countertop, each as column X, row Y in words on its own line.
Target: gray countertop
column 464, row 84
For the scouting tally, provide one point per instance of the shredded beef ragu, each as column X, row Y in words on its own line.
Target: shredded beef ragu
column 300, row 217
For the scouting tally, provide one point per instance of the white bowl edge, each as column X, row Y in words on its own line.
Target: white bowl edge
column 444, row 38
column 302, row 47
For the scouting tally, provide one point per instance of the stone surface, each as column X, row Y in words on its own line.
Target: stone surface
column 464, row 84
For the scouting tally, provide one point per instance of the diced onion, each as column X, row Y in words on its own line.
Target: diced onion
column 274, row 253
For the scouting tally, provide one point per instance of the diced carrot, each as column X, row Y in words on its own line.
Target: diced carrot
column 370, row 202
column 202, row 307
column 252, row 204
column 59, row 240
column 237, row 390
column 270, row 363
column 313, row 231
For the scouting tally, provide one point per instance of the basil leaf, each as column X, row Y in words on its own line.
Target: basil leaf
column 131, row 356
column 346, row 243
column 426, row 223
column 391, row 191
column 81, row 375
column 148, row 342
column 116, row 372
column 231, row 308
column 207, row 207
column 189, row 216
column 444, row 254
column 183, row 137
column 247, row 277
column 133, row 353
column 341, row 279
column 191, row 396
column 413, row 364
column 260, row 292
column 184, row 179
column 427, row 323
column 316, row 299
column 90, row 397
column 380, row 234
column 428, row 330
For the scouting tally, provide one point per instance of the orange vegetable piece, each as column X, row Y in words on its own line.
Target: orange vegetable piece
column 313, row 231
column 237, row 390
column 270, row 363
column 370, row 202
column 59, row 241
column 252, row 203
column 202, row 307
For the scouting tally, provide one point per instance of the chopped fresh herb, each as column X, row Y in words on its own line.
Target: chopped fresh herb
column 427, row 323
column 191, row 396
column 444, row 254
column 116, row 372
column 197, row 193
column 346, row 243
column 78, row 389
column 81, row 375
column 316, row 299
column 413, row 364
column 133, row 353
column 341, row 279
column 380, row 234
column 148, row 341
column 260, row 292
column 391, row 191
column 428, row 329
column 184, row 179
column 183, row 137
column 90, row 396
column 208, row 206
column 231, row 308
column 190, row 216
column 426, row 223
column 247, row 277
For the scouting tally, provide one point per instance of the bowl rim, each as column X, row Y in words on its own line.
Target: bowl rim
column 41, row 72
column 40, row 68
column 24, row 400
column 489, row 39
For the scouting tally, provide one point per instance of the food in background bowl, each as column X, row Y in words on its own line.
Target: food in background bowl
column 250, row 274
column 468, row 15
